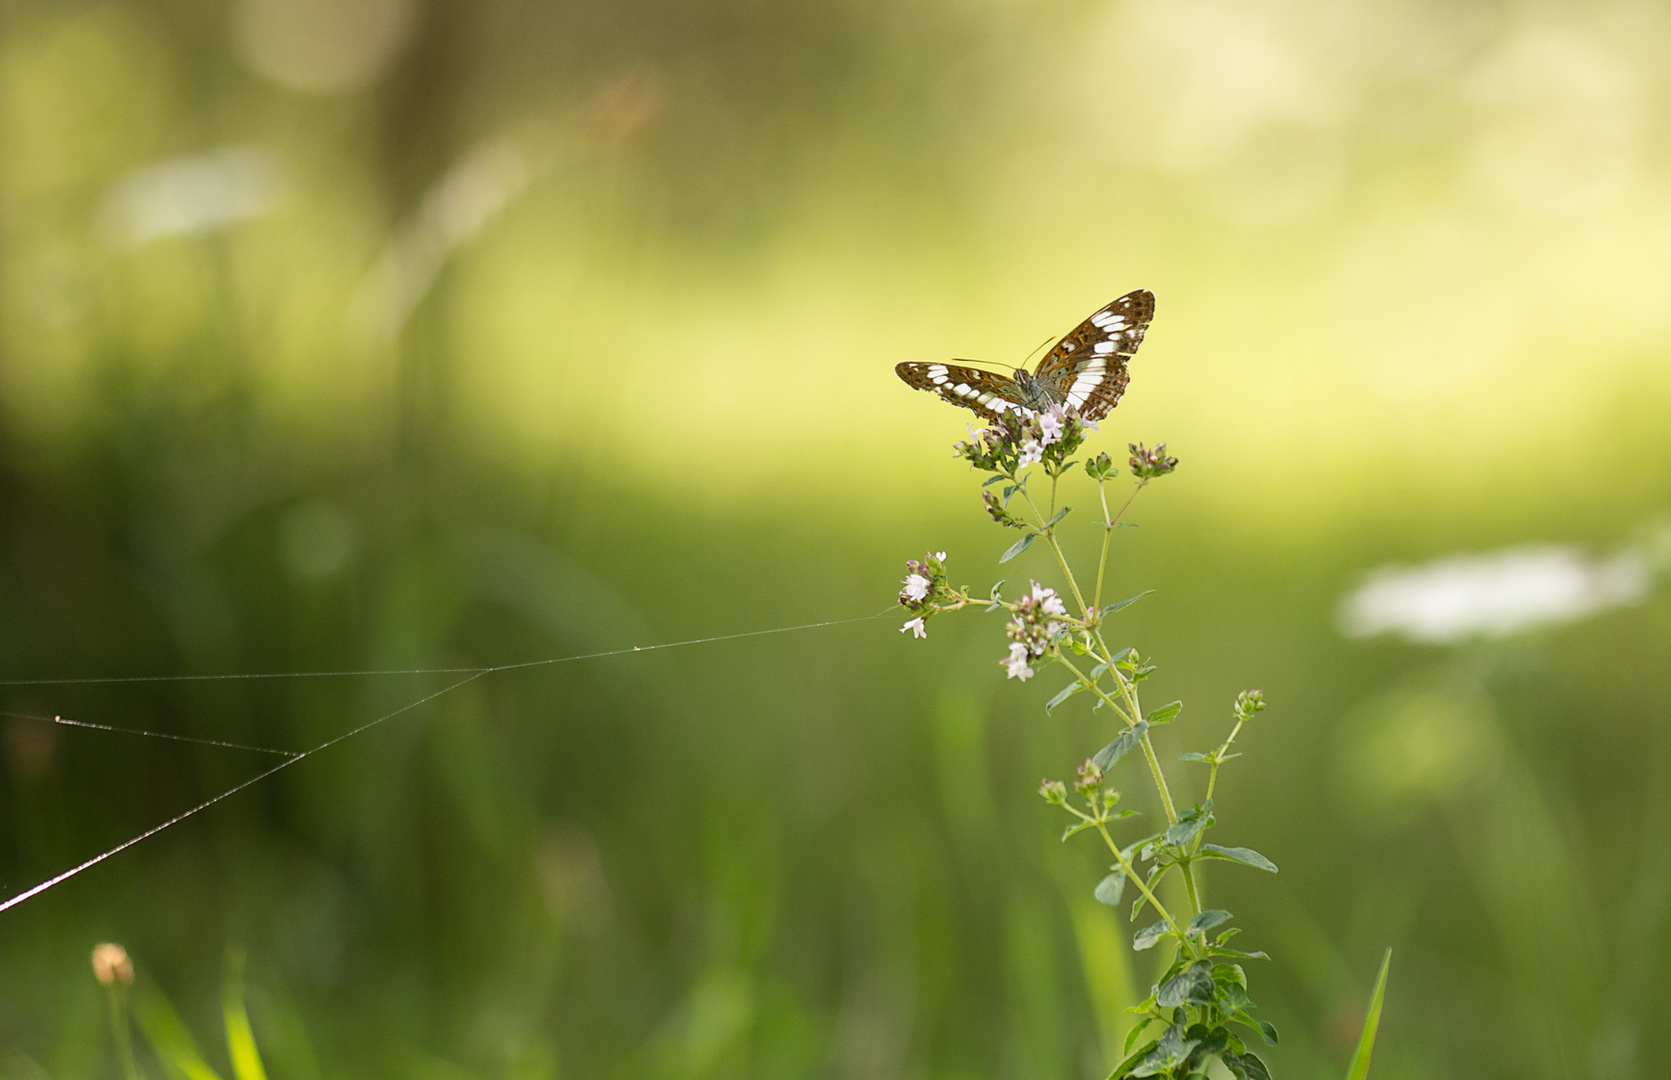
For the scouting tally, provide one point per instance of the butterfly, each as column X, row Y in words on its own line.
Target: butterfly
column 1085, row 370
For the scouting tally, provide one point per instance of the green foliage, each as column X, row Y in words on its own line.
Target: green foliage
column 1202, row 1000
column 171, row 1041
column 1371, row 1023
column 1018, row 547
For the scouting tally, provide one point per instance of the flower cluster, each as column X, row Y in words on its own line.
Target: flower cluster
column 1036, row 624
column 995, row 507
column 1147, row 464
column 1089, row 787
column 1016, row 440
column 1090, row 779
column 926, row 590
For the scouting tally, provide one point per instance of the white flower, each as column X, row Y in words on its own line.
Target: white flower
column 1049, row 601
column 940, row 556
column 1051, row 424
column 187, row 195
column 1016, row 664
column 1031, row 453
column 916, row 627
column 916, row 588
column 1491, row 595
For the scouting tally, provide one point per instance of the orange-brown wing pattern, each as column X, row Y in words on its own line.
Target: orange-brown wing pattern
column 983, row 391
column 1087, row 369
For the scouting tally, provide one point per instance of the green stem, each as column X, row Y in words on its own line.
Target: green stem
column 1129, row 692
column 119, row 1032
column 1189, row 883
column 1067, row 571
column 1130, row 713
column 1160, row 780
column 1212, row 783
column 1107, row 535
column 1218, row 758
column 1089, row 682
column 1109, row 523
column 1133, row 711
column 1142, row 886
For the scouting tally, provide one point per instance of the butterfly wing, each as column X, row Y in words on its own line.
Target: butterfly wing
column 1087, row 369
column 986, row 393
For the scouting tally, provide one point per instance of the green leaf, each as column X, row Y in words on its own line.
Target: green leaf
column 169, row 1038
column 1110, row 888
column 1124, row 1068
column 1233, row 999
column 1267, row 1029
column 1183, row 833
column 1007, row 493
column 993, row 479
column 1214, row 1042
column 1058, row 516
column 1193, row 985
column 1170, row 1052
column 1118, row 604
column 1097, row 671
column 1155, row 874
column 1166, row 713
column 1018, row 547
column 240, row 1038
column 1207, row 920
column 1066, row 692
column 1371, row 1023
column 1146, row 937
column 1123, row 744
column 1246, row 1066
column 1136, row 1032
column 1245, row 856
column 1078, row 826
column 1194, row 756
column 1217, row 951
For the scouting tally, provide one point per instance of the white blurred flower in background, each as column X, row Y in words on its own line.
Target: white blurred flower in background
column 1494, row 594
column 185, row 195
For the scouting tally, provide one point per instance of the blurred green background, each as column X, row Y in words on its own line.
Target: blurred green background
column 343, row 334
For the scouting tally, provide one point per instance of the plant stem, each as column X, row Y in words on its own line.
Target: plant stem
column 1107, row 535
column 1133, row 711
column 1160, row 780
column 1067, row 571
column 1087, row 681
column 119, row 1032
column 1218, row 758
column 1109, row 524
column 1129, row 691
column 1130, row 713
column 1142, row 886
column 1189, row 884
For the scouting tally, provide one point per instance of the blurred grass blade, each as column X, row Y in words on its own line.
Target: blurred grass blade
column 1371, row 1021
column 169, row 1039
column 240, row 1038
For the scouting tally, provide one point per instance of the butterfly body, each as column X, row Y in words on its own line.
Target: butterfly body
column 1086, row 370
column 1036, row 393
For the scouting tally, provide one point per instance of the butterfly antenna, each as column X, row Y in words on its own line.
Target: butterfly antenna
column 1036, row 349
